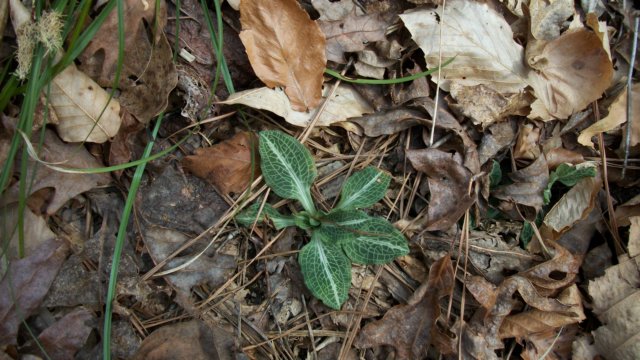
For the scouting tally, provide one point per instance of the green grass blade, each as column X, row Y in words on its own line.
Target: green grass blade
column 387, row 81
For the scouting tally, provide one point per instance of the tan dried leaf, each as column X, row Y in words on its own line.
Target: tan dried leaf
column 227, row 165
column 352, row 33
column 79, row 102
column 480, row 39
column 286, row 48
column 548, row 16
column 485, row 106
column 616, row 117
column 527, row 143
column 448, row 185
column 345, row 103
column 615, row 299
column 571, row 72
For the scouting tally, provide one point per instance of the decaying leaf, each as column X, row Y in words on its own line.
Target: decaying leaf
column 527, row 142
column 148, row 74
column 335, row 10
column 448, row 184
column 496, row 137
column 79, row 103
column 66, row 186
column 65, row 337
column 528, row 184
column 227, row 165
column 187, row 340
column 572, row 71
column 547, row 17
column 344, row 103
column 480, row 39
column 552, row 344
column 25, row 284
column 36, row 230
column 352, row 33
column 615, row 299
column 616, row 117
column 410, row 328
column 485, row 106
column 286, row 48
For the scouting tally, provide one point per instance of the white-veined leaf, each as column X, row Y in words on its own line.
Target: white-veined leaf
column 326, row 271
column 376, row 241
column 363, row 189
column 287, row 167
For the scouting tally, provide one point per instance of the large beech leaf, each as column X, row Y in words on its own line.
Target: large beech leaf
column 286, row 48
column 250, row 214
column 326, row 270
column 287, row 167
column 480, row 39
column 363, row 189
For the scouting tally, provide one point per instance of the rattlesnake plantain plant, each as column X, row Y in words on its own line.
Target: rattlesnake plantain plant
column 338, row 237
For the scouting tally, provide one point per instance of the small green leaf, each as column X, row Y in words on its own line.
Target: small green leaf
column 568, row 175
column 376, row 241
column 287, row 167
column 363, row 189
column 496, row 175
column 305, row 221
column 326, row 271
column 249, row 215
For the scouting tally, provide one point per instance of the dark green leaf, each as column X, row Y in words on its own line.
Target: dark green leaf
column 376, row 241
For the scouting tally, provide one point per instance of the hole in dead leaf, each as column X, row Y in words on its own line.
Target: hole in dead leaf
column 578, row 64
column 557, row 275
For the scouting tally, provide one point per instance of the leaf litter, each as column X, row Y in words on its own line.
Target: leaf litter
column 520, row 242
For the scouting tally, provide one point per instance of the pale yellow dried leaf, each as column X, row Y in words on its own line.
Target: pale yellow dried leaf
column 286, row 48
column 345, row 103
column 480, row 39
column 79, row 102
column 575, row 205
column 571, row 72
column 547, row 17
column 616, row 300
column 616, row 117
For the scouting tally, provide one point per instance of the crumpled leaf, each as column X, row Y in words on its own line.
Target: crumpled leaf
column 344, row 104
column 528, row 185
column 573, row 71
column 65, row 337
column 79, row 102
column 286, row 48
column 227, row 165
column 66, row 186
column 615, row 301
column 575, row 205
column 548, row 16
column 527, row 146
column 552, row 344
column 148, row 74
column 616, row 117
column 448, row 185
column 480, row 39
column 352, row 33
column 187, row 340
column 410, row 328
column 25, row 284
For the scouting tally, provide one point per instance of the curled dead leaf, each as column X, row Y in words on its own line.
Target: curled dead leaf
column 528, row 184
column 286, row 48
column 352, row 34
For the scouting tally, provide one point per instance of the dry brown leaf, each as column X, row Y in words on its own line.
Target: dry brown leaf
column 227, row 165
column 286, row 48
column 524, row 324
column 65, row 337
column 36, row 231
column 527, row 143
column 480, row 39
column 125, row 141
column 486, row 106
column 187, row 340
column 66, row 185
column 615, row 300
column 331, row 10
column 352, row 33
column 560, row 155
column 410, row 328
column 25, row 284
column 495, row 138
column 79, row 103
column 552, row 344
column 575, row 205
column 572, row 71
column 148, row 74
column 616, row 117
column 627, row 210
column 448, row 185
column 528, row 184
column 547, row 17
column 345, row 103
column 556, row 274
